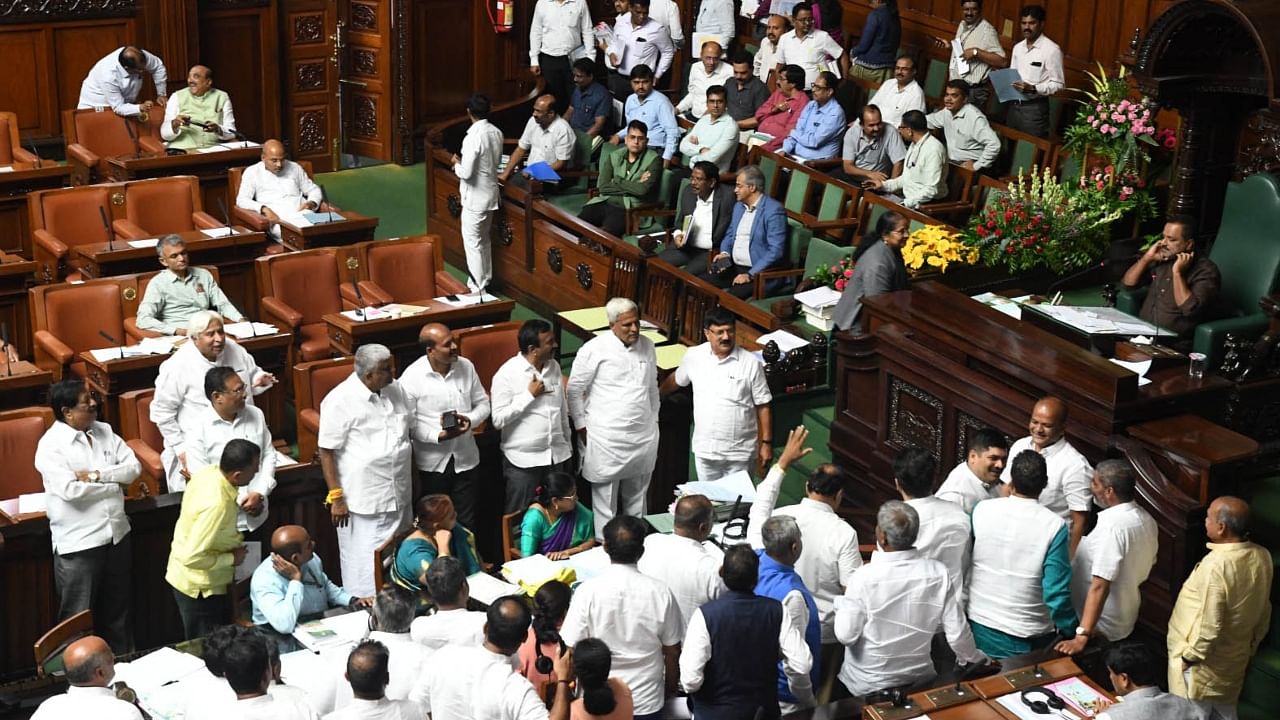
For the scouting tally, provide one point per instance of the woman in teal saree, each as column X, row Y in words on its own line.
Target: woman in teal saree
column 556, row 524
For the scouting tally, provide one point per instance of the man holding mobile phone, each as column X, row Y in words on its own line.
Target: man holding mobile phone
column 1184, row 284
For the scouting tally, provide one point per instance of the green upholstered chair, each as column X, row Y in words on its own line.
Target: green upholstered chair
column 820, row 253
column 1247, row 254
column 578, row 180
column 935, row 81
column 573, row 202
column 795, row 201
column 662, row 218
column 768, row 164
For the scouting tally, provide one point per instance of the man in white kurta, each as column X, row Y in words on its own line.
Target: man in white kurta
column 978, row 477
column 812, row 49
column 634, row 614
column 732, row 419
column 90, row 669
column 389, row 621
column 477, row 171
column 1070, row 474
column 711, row 71
column 944, row 533
column 368, row 675
column 684, row 560
column 116, row 79
column 613, row 402
column 229, row 416
column 180, row 399
column 924, row 168
column 364, row 454
column 277, row 187
column 436, row 384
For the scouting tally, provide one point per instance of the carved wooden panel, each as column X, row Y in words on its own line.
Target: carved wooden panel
column 308, row 29
column 915, row 418
column 966, row 426
column 364, row 61
column 364, row 17
column 1260, row 145
column 364, row 121
column 372, row 51
column 312, row 130
column 310, row 80
column 16, row 11
column 309, row 76
column 75, row 49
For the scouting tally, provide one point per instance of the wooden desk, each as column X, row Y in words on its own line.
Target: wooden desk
column 22, row 384
column 353, row 228
column 15, row 226
column 210, row 167
column 16, row 275
column 400, row 335
column 233, row 255
column 111, row 378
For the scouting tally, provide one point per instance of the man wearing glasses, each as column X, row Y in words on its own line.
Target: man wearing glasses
column 818, row 133
column 902, row 93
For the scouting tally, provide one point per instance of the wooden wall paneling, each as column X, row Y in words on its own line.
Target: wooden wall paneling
column 239, row 45
column 24, row 86
column 76, row 46
column 369, row 111
column 310, row 80
column 169, row 28
column 446, row 60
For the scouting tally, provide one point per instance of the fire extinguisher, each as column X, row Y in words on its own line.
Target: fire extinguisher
column 505, row 17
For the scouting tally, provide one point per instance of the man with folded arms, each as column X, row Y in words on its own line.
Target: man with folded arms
column 199, row 115
column 172, row 297
column 628, row 177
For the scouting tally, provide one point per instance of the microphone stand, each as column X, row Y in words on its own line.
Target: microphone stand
column 355, row 282
column 137, row 148
column 39, row 160
column 102, row 213
column 113, row 341
column 324, row 202
column 4, row 335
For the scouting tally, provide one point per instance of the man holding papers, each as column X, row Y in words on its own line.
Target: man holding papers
column 975, row 51
column 276, row 187
column 172, row 297
column 548, row 138
column 1038, row 62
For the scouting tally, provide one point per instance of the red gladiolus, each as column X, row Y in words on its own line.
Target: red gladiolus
column 1008, row 216
column 999, row 232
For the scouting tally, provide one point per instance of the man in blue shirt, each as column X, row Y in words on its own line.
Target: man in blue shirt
column 756, row 239
column 291, row 584
column 591, row 104
column 655, row 111
column 821, row 126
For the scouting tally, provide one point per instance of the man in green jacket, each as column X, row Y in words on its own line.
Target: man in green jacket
column 627, row 179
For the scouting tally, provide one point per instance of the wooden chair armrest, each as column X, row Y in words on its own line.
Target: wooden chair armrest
column 135, row 333
column 254, row 220
column 310, row 419
column 150, row 144
column 447, row 284
column 82, row 155
column 826, row 164
column 763, row 278
column 831, row 224
column 149, row 459
column 21, row 155
column 49, row 243
column 204, row 221
column 128, row 230
column 278, row 309
column 374, row 292
column 55, row 347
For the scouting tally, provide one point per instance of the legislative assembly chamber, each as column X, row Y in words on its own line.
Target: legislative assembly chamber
column 479, row 359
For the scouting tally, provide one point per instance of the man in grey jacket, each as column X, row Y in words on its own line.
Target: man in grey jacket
column 1135, row 674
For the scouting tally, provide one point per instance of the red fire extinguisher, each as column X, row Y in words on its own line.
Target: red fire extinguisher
column 505, row 16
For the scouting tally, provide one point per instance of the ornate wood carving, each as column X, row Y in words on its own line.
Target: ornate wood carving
column 401, row 97
column 915, row 418
column 364, row 62
column 365, row 112
column 364, row 17
column 966, row 425
column 584, row 275
column 501, row 230
column 309, row 76
column 555, row 260
column 311, row 131
column 1260, row 153
column 16, row 11
column 232, row 4
column 454, row 204
column 308, row 29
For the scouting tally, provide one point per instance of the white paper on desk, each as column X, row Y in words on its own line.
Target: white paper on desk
column 295, row 219
column 786, row 341
column 240, row 330
column 162, row 345
column 252, row 559
column 368, row 313
column 468, row 299
column 218, row 232
column 1137, row 368
column 6, row 168
column 335, row 631
column 152, row 670
column 531, row 570
column 283, row 460
column 487, row 588
column 726, row 489
column 147, row 243
column 212, row 148
column 1013, row 703
column 589, row 564
column 239, row 145
column 818, row 297
column 105, row 354
column 32, row 503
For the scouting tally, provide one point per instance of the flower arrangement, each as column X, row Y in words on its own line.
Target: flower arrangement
column 1115, row 128
column 935, row 246
column 833, row 276
column 1116, row 193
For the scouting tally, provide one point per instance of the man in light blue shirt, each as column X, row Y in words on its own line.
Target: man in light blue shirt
column 655, row 111
column 291, row 584
column 821, row 126
column 715, row 137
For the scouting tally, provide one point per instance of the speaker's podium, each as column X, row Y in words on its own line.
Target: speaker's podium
column 934, row 366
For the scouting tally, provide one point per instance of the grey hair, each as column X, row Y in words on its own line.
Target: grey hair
column 369, row 357
column 170, row 239
column 1236, row 523
column 619, row 306
column 201, row 321
column 779, row 533
column 1119, row 476
column 900, row 523
column 393, row 610
column 753, row 177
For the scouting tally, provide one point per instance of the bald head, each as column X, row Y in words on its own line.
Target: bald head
column 693, row 517
column 273, row 156
column 1227, row 520
column 1048, row 422
column 439, row 345
column 89, row 662
column 132, row 59
column 289, row 541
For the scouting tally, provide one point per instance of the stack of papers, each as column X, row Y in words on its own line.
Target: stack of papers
column 32, row 503
column 1101, row 320
column 1138, row 368
column 368, row 313
column 320, row 218
column 468, row 299
column 536, row 569
column 218, row 232
column 819, row 297
column 487, row 588
column 1079, row 696
column 147, row 243
column 118, row 353
column 785, row 340
column 727, row 489
column 338, row 631
column 244, row 329
column 252, row 559
column 161, row 667
column 1009, row 306
column 162, row 345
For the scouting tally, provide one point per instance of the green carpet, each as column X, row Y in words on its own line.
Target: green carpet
column 395, row 194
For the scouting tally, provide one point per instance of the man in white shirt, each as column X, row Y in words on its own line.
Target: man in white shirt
column 364, row 453
column 477, row 171
column 978, row 477
column 888, row 616
column 277, row 187
column 389, row 622
column 448, row 401
column 613, row 402
column 1067, row 493
column 635, row 615
column 86, row 468
column 765, row 62
column 530, row 409
column 247, row 664
column 180, row 400
column 732, row 418
column 812, row 49
column 452, row 623
column 684, row 560
column 980, row 51
column 90, row 668
column 970, row 140
column 715, row 136
column 729, row 660
column 1038, row 61
column 903, row 93
column 547, row 138
column 368, row 674
column 559, row 33
column 199, row 115
column 229, row 416
column 830, row 554
column 924, row 169
column 715, row 17
column 944, row 533
column 711, row 71
column 115, row 81
column 667, row 14
column 480, row 683
column 641, row 40
column 1113, row 561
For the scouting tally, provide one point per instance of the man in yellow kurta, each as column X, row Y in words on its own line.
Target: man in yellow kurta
column 1222, row 613
column 206, row 544
column 199, row 115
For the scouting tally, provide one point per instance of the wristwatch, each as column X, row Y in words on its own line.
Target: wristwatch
column 94, row 476
column 1081, row 630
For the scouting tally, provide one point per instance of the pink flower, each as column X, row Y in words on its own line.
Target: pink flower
column 840, row 284
column 1105, row 128
column 1117, row 117
column 1098, row 108
column 1091, row 119
column 1096, row 123
column 1170, row 142
column 1124, row 104
column 848, row 273
column 1101, row 185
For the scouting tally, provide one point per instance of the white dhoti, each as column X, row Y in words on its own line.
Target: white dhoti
column 358, row 540
column 619, row 470
column 618, row 494
column 478, row 247
column 710, row 470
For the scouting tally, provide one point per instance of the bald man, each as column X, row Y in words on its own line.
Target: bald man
column 684, row 560
column 547, row 138
column 448, row 400
column 199, row 115
column 711, row 71
column 1222, row 613
column 116, row 80
column 291, row 585
column 277, row 186
column 90, row 670
column 1068, row 493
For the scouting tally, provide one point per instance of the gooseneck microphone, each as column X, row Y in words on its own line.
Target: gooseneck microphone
column 102, row 213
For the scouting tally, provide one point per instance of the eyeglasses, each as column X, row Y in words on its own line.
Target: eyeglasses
column 236, row 391
column 821, row 87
